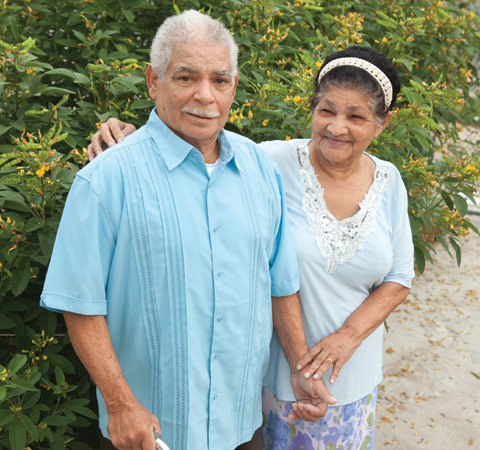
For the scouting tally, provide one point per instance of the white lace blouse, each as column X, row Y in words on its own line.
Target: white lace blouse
column 341, row 263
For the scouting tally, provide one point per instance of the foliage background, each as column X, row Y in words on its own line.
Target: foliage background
column 68, row 65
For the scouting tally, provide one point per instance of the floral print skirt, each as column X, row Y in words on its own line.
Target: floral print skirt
column 344, row 427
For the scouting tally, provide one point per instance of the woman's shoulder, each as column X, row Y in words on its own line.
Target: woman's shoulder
column 282, row 151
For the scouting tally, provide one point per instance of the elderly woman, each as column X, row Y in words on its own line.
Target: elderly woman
column 348, row 210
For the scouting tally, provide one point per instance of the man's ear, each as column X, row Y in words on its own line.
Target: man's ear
column 152, row 82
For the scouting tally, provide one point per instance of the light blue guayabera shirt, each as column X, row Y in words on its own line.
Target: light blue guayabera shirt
column 341, row 263
column 183, row 265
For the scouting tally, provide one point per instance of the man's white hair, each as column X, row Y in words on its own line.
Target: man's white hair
column 188, row 27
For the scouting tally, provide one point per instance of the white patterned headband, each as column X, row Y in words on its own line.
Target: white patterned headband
column 372, row 69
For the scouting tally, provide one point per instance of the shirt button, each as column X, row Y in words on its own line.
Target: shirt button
column 219, row 274
column 216, row 228
column 220, row 318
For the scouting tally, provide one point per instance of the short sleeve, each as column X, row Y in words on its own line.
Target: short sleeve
column 78, row 272
column 283, row 263
column 402, row 270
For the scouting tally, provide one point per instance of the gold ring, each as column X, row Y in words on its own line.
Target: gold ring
column 331, row 360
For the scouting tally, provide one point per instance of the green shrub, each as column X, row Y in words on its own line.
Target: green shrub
column 66, row 66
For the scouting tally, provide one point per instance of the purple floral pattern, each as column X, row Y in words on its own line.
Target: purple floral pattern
column 344, row 427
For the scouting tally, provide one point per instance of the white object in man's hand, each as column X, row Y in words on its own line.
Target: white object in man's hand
column 159, row 444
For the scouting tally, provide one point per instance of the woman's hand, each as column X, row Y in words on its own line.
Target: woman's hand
column 312, row 398
column 110, row 133
column 335, row 349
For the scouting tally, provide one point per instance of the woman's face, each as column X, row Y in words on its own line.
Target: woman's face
column 343, row 125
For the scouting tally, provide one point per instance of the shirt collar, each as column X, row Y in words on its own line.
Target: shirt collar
column 174, row 149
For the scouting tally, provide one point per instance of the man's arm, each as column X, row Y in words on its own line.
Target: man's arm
column 312, row 395
column 130, row 425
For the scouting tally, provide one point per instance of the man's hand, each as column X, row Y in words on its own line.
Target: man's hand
column 131, row 426
column 335, row 349
column 312, row 398
column 110, row 133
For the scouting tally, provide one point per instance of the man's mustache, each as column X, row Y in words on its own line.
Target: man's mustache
column 200, row 112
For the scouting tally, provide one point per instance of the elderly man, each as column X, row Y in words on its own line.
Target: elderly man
column 169, row 250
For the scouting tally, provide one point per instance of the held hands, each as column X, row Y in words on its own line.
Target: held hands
column 335, row 349
column 312, row 398
column 110, row 133
column 131, row 426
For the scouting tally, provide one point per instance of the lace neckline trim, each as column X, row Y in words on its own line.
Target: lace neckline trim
column 338, row 240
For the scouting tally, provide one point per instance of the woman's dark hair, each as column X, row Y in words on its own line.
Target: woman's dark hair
column 356, row 78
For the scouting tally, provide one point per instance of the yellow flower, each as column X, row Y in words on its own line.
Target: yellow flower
column 265, row 122
column 297, row 99
column 471, row 168
column 250, row 115
column 318, row 64
column 287, row 138
column 40, row 172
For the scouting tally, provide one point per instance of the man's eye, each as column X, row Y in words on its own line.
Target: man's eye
column 357, row 117
column 185, row 78
column 221, row 81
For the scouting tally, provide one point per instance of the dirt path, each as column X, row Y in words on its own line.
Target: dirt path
column 430, row 394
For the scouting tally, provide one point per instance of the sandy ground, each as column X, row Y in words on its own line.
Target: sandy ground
column 430, row 395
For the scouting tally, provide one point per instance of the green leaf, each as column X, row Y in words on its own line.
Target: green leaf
column 129, row 15
column 64, row 72
column 30, row 399
column 416, row 224
column 47, row 239
column 461, row 204
column 17, row 436
column 63, row 363
column 86, row 412
column 16, row 364
column 22, row 384
column 32, row 225
column 427, row 221
column 4, row 129
column 59, row 376
column 15, row 199
column 80, row 78
column 6, row 416
column 51, row 90
column 80, row 36
column 420, row 259
column 29, row 426
column 3, row 393
column 58, row 420
column 458, row 250
column 20, row 280
column 6, row 323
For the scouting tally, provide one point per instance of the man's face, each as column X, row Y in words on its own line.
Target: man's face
column 194, row 97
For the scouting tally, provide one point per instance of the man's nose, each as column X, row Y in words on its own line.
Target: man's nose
column 204, row 92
